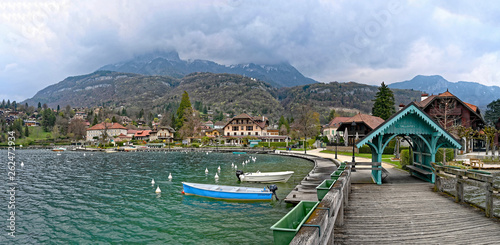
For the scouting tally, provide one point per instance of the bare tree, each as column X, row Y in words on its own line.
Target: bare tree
column 447, row 114
column 306, row 122
column 192, row 124
column 77, row 128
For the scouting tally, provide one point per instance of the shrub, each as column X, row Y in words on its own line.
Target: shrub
column 406, row 159
column 195, row 145
column 449, row 155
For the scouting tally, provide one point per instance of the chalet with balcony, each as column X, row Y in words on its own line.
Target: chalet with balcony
column 358, row 127
column 163, row 133
column 449, row 111
column 246, row 125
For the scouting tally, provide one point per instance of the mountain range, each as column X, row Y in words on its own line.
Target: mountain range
column 169, row 64
column 470, row 92
column 223, row 92
column 157, row 80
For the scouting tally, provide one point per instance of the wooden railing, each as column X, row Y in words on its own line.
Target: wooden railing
column 329, row 213
column 462, row 177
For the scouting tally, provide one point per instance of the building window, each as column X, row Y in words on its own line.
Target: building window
column 249, row 128
column 228, row 134
column 234, row 133
column 256, row 133
column 242, row 133
column 235, row 128
column 242, row 128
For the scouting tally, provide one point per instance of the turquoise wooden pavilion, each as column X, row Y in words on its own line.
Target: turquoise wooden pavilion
column 424, row 135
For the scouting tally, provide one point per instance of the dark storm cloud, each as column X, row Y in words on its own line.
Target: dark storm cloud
column 44, row 42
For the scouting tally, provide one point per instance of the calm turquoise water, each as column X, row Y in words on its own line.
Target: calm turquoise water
column 108, row 198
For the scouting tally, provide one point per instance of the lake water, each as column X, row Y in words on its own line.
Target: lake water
column 103, row 198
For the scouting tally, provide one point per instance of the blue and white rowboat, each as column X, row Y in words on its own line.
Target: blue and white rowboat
column 227, row 192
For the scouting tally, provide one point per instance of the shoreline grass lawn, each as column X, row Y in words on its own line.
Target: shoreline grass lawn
column 386, row 158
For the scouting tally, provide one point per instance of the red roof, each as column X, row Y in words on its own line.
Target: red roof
column 102, row 126
column 473, row 107
column 142, row 133
column 335, row 122
column 369, row 120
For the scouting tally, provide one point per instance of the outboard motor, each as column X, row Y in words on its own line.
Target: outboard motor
column 273, row 189
column 238, row 173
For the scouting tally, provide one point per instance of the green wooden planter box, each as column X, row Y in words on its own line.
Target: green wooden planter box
column 341, row 168
column 323, row 188
column 335, row 175
column 478, row 171
column 285, row 229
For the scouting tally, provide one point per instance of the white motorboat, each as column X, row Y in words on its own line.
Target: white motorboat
column 264, row 177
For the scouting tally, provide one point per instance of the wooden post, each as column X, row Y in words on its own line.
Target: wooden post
column 489, row 200
column 459, row 187
column 340, row 215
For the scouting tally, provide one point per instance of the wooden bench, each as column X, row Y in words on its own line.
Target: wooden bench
column 417, row 169
column 476, row 163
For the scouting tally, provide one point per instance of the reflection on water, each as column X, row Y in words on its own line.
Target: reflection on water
column 108, row 198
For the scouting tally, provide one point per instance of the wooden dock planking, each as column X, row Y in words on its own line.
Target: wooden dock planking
column 411, row 213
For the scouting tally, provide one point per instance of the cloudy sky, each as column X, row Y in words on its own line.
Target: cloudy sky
column 43, row 42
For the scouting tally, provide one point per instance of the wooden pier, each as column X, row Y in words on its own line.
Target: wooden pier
column 403, row 213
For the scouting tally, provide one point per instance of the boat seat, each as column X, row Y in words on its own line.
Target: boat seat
column 214, row 188
column 236, row 189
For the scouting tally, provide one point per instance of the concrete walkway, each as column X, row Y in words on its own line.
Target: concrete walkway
column 396, row 175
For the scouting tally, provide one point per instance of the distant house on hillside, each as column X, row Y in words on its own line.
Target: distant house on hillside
column 31, row 123
column 142, row 135
column 364, row 125
column 80, row 115
column 447, row 107
column 111, row 130
column 163, row 133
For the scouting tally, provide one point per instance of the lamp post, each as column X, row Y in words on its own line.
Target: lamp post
column 353, row 124
column 336, row 143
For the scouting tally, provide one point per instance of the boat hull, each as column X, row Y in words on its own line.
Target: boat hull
column 269, row 177
column 227, row 192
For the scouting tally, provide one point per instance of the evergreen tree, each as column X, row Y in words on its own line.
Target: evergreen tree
column 492, row 112
column 184, row 107
column 384, row 103
column 14, row 105
column 331, row 115
column 141, row 114
column 95, row 121
column 8, row 104
column 124, row 112
column 26, row 131
column 3, row 103
column 281, row 121
column 39, row 105
column 113, row 120
column 48, row 119
column 58, row 108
